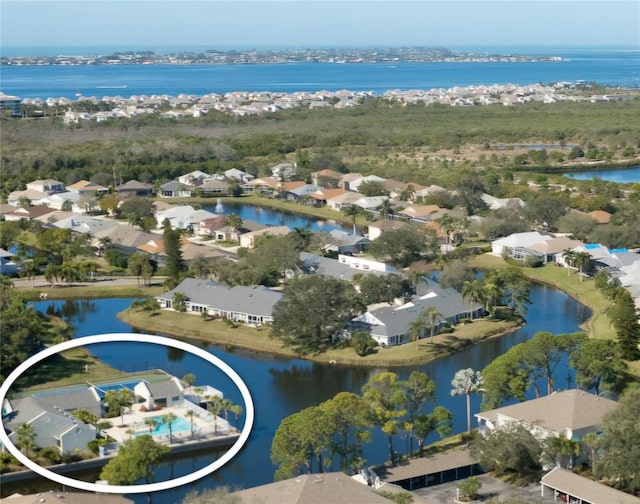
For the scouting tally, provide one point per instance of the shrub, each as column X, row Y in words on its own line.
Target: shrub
column 469, row 488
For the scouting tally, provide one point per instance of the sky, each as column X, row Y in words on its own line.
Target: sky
column 140, row 24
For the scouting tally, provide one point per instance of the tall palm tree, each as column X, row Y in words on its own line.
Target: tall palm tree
column 226, row 406
column 432, row 315
column 466, row 382
column 582, row 261
column 191, row 415
column 491, row 297
column 214, row 406
column 237, row 410
column 151, row 423
column 351, row 211
column 26, row 437
column 235, row 223
column 568, row 256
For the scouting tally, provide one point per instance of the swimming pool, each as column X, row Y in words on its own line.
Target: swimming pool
column 178, row 425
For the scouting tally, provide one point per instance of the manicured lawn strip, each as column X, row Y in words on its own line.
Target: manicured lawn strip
column 65, row 369
column 599, row 325
column 285, row 206
column 187, row 326
column 93, row 291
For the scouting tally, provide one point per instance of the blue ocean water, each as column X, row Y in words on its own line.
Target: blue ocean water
column 607, row 66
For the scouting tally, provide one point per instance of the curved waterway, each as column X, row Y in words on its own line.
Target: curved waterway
column 281, row 386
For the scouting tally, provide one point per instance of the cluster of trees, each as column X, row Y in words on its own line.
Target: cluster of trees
column 598, row 365
column 405, row 245
column 505, row 287
column 308, row 441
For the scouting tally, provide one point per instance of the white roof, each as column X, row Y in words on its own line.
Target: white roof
column 522, row 239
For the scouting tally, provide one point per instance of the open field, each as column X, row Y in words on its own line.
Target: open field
column 192, row 327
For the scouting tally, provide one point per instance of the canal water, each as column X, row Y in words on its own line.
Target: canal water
column 281, row 386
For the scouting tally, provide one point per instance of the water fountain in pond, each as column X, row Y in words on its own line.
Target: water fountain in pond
column 219, row 206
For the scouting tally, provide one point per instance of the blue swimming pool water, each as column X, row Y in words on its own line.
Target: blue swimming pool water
column 178, row 425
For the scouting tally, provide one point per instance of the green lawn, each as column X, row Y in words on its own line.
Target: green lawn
column 93, row 291
column 193, row 327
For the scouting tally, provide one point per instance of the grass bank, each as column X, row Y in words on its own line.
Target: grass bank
column 568, row 281
column 192, row 327
column 90, row 291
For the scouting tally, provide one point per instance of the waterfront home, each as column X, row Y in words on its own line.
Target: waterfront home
column 29, row 213
column 66, row 497
column 239, row 175
column 167, row 393
column 391, row 325
column 320, row 197
column 625, row 266
column 182, row 216
column 343, row 200
column 213, row 187
column 344, row 267
column 251, row 305
column 378, row 227
column 297, row 191
column 47, row 186
column 133, row 188
column 370, row 202
column 552, row 250
column 194, row 178
column 264, row 185
column 53, row 425
column 174, row 189
column 248, row 240
column 518, row 245
column 571, row 414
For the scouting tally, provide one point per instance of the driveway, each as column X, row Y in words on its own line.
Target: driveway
column 491, row 487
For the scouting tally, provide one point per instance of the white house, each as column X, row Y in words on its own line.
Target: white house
column 165, row 393
column 183, row 216
column 518, row 242
column 48, row 186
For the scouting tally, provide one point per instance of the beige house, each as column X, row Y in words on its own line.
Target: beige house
column 248, row 240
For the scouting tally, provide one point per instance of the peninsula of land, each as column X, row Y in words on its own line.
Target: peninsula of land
column 255, row 56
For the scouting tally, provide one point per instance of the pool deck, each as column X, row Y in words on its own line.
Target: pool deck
column 204, row 425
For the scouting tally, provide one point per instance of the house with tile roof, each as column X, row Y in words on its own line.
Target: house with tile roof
column 133, row 188
column 326, row 178
column 16, row 198
column 378, row 227
column 343, row 200
column 569, row 413
column 48, row 186
column 251, row 305
column 248, row 240
column 83, row 187
column 29, row 213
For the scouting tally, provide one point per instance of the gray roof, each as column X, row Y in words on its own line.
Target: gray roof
column 60, row 497
column 164, row 388
column 255, row 300
column 69, row 400
column 125, row 235
column 427, row 465
column 313, row 489
column 585, row 489
column 133, row 185
column 570, row 409
column 174, row 185
column 397, row 319
column 342, row 238
column 313, row 264
column 620, row 260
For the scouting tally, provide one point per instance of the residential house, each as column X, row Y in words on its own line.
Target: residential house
column 192, row 252
column 571, row 414
column 265, row 185
column 214, row 187
column 30, row 196
column 625, row 266
column 250, row 305
column 355, row 183
column 346, row 199
column 390, row 325
column 66, row 497
column 195, row 178
column 53, row 426
column 552, row 250
column 320, row 197
column 326, row 178
column 7, row 265
column 29, row 213
column 239, row 175
column 284, row 171
column 123, row 237
column 430, row 191
column 183, row 216
column 208, row 227
column 518, row 245
column 133, row 188
column 424, row 213
column 347, row 179
column 370, row 202
column 497, row 203
column 402, row 190
column 248, row 240
column 47, row 186
column 67, row 199
column 85, row 224
column 174, row 189
column 342, row 268
column 345, row 243
column 378, row 227
column 87, row 187
column 294, row 191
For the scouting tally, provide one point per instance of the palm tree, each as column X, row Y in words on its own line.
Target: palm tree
column 214, row 406
column 467, row 382
column 168, row 420
column 26, row 437
column 351, row 211
column 191, row 415
column 568, row 256
column 189, row 379
column 582, row 261
column 235, row 223
column 385, row 209
column 152, row 423
column 226, row 406
column 592, row 440
column 491, row 297
column 52, row 274
column 237, row 410
column 432, row 314
column 474, row 293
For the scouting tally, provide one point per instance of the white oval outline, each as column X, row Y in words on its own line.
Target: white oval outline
column 142, row 338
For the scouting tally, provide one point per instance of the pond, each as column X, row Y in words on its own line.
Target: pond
column 281, row 386
column 620, row 176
